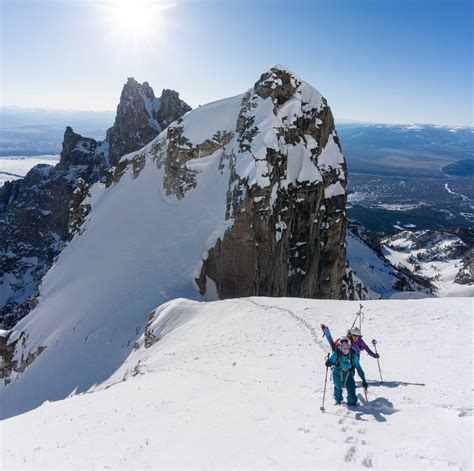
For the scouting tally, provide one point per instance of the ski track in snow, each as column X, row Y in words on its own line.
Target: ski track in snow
column 353, row 450
column 239, row 383
column 297, row 318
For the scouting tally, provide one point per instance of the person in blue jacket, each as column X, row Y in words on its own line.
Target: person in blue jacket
column 344, row 362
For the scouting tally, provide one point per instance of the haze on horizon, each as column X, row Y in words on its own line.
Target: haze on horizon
column 375, row 61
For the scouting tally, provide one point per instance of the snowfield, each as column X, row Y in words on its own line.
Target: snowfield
column 432, row 260
column 239, row 384
column 15, row 167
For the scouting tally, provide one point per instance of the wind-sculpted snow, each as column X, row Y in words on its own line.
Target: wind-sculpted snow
column 239, row 384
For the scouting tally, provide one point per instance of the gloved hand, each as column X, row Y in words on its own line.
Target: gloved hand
column 323, row 327
column 364, row 384
column 376, row 355
column 328, row 364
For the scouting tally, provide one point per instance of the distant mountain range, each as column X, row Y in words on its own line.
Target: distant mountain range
column 25, row 131
column 404, row 150
column 392, row 147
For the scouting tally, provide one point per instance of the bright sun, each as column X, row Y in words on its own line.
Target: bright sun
column 135, row 22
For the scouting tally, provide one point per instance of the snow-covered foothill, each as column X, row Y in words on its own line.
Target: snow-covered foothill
column 381, row 279
column 239, row 384
column 16, row 167
column 435, row 255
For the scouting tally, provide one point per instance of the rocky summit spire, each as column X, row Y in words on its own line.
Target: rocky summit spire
column 287, row 198
column 141, row 117
column 77, row 150
column 285, row 220
column 44, row 209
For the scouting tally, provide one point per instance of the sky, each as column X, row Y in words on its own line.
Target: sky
column 406, row 61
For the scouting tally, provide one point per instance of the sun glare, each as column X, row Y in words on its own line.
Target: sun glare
column 135, row 22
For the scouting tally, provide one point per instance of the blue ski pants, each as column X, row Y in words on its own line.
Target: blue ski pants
column 345, row 379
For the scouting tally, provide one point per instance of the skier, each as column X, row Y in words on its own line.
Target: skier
column 354, row 336
column 344, row 361
column 358, row 343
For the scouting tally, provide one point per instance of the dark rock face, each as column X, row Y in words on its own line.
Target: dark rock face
column 40, row 213
column 77, row 150
column 286, row 197
column 286, row 240
column 465, row 276
column 430, row 247
column 141, row 117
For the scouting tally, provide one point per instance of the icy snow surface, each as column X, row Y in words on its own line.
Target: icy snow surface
column 239, row 384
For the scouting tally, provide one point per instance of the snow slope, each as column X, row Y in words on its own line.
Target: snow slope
column 431, row 255
column 377, row 275
column 239, row 384
column 15, row 167
column 97, row 297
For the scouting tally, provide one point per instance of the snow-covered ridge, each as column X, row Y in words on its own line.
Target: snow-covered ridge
column 239, row 383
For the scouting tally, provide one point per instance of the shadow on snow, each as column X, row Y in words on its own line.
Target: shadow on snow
column 390, row 384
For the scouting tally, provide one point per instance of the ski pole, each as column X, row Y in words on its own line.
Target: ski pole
column 325, row 382
column 374, row 343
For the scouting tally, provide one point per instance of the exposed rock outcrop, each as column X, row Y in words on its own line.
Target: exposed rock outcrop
column 465, row 275
column 442, row 258
column 40, row 213
column 286, row 198
column 141, row 117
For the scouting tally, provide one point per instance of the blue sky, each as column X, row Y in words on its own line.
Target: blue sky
column 374, row 60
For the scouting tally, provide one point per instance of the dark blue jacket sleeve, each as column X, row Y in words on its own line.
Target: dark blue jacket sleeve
column 333, row 358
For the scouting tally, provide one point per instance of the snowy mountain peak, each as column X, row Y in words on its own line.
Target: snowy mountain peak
column 278, row 82
column 279, row 144
column 77, row 150
column 50, row 197
column 243, row 196
column 140, row 117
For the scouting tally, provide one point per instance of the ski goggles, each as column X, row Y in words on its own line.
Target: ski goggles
column 344, row 341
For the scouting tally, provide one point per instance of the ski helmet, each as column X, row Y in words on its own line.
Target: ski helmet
column 355, row 331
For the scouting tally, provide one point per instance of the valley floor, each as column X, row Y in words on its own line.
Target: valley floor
column 239, row 384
